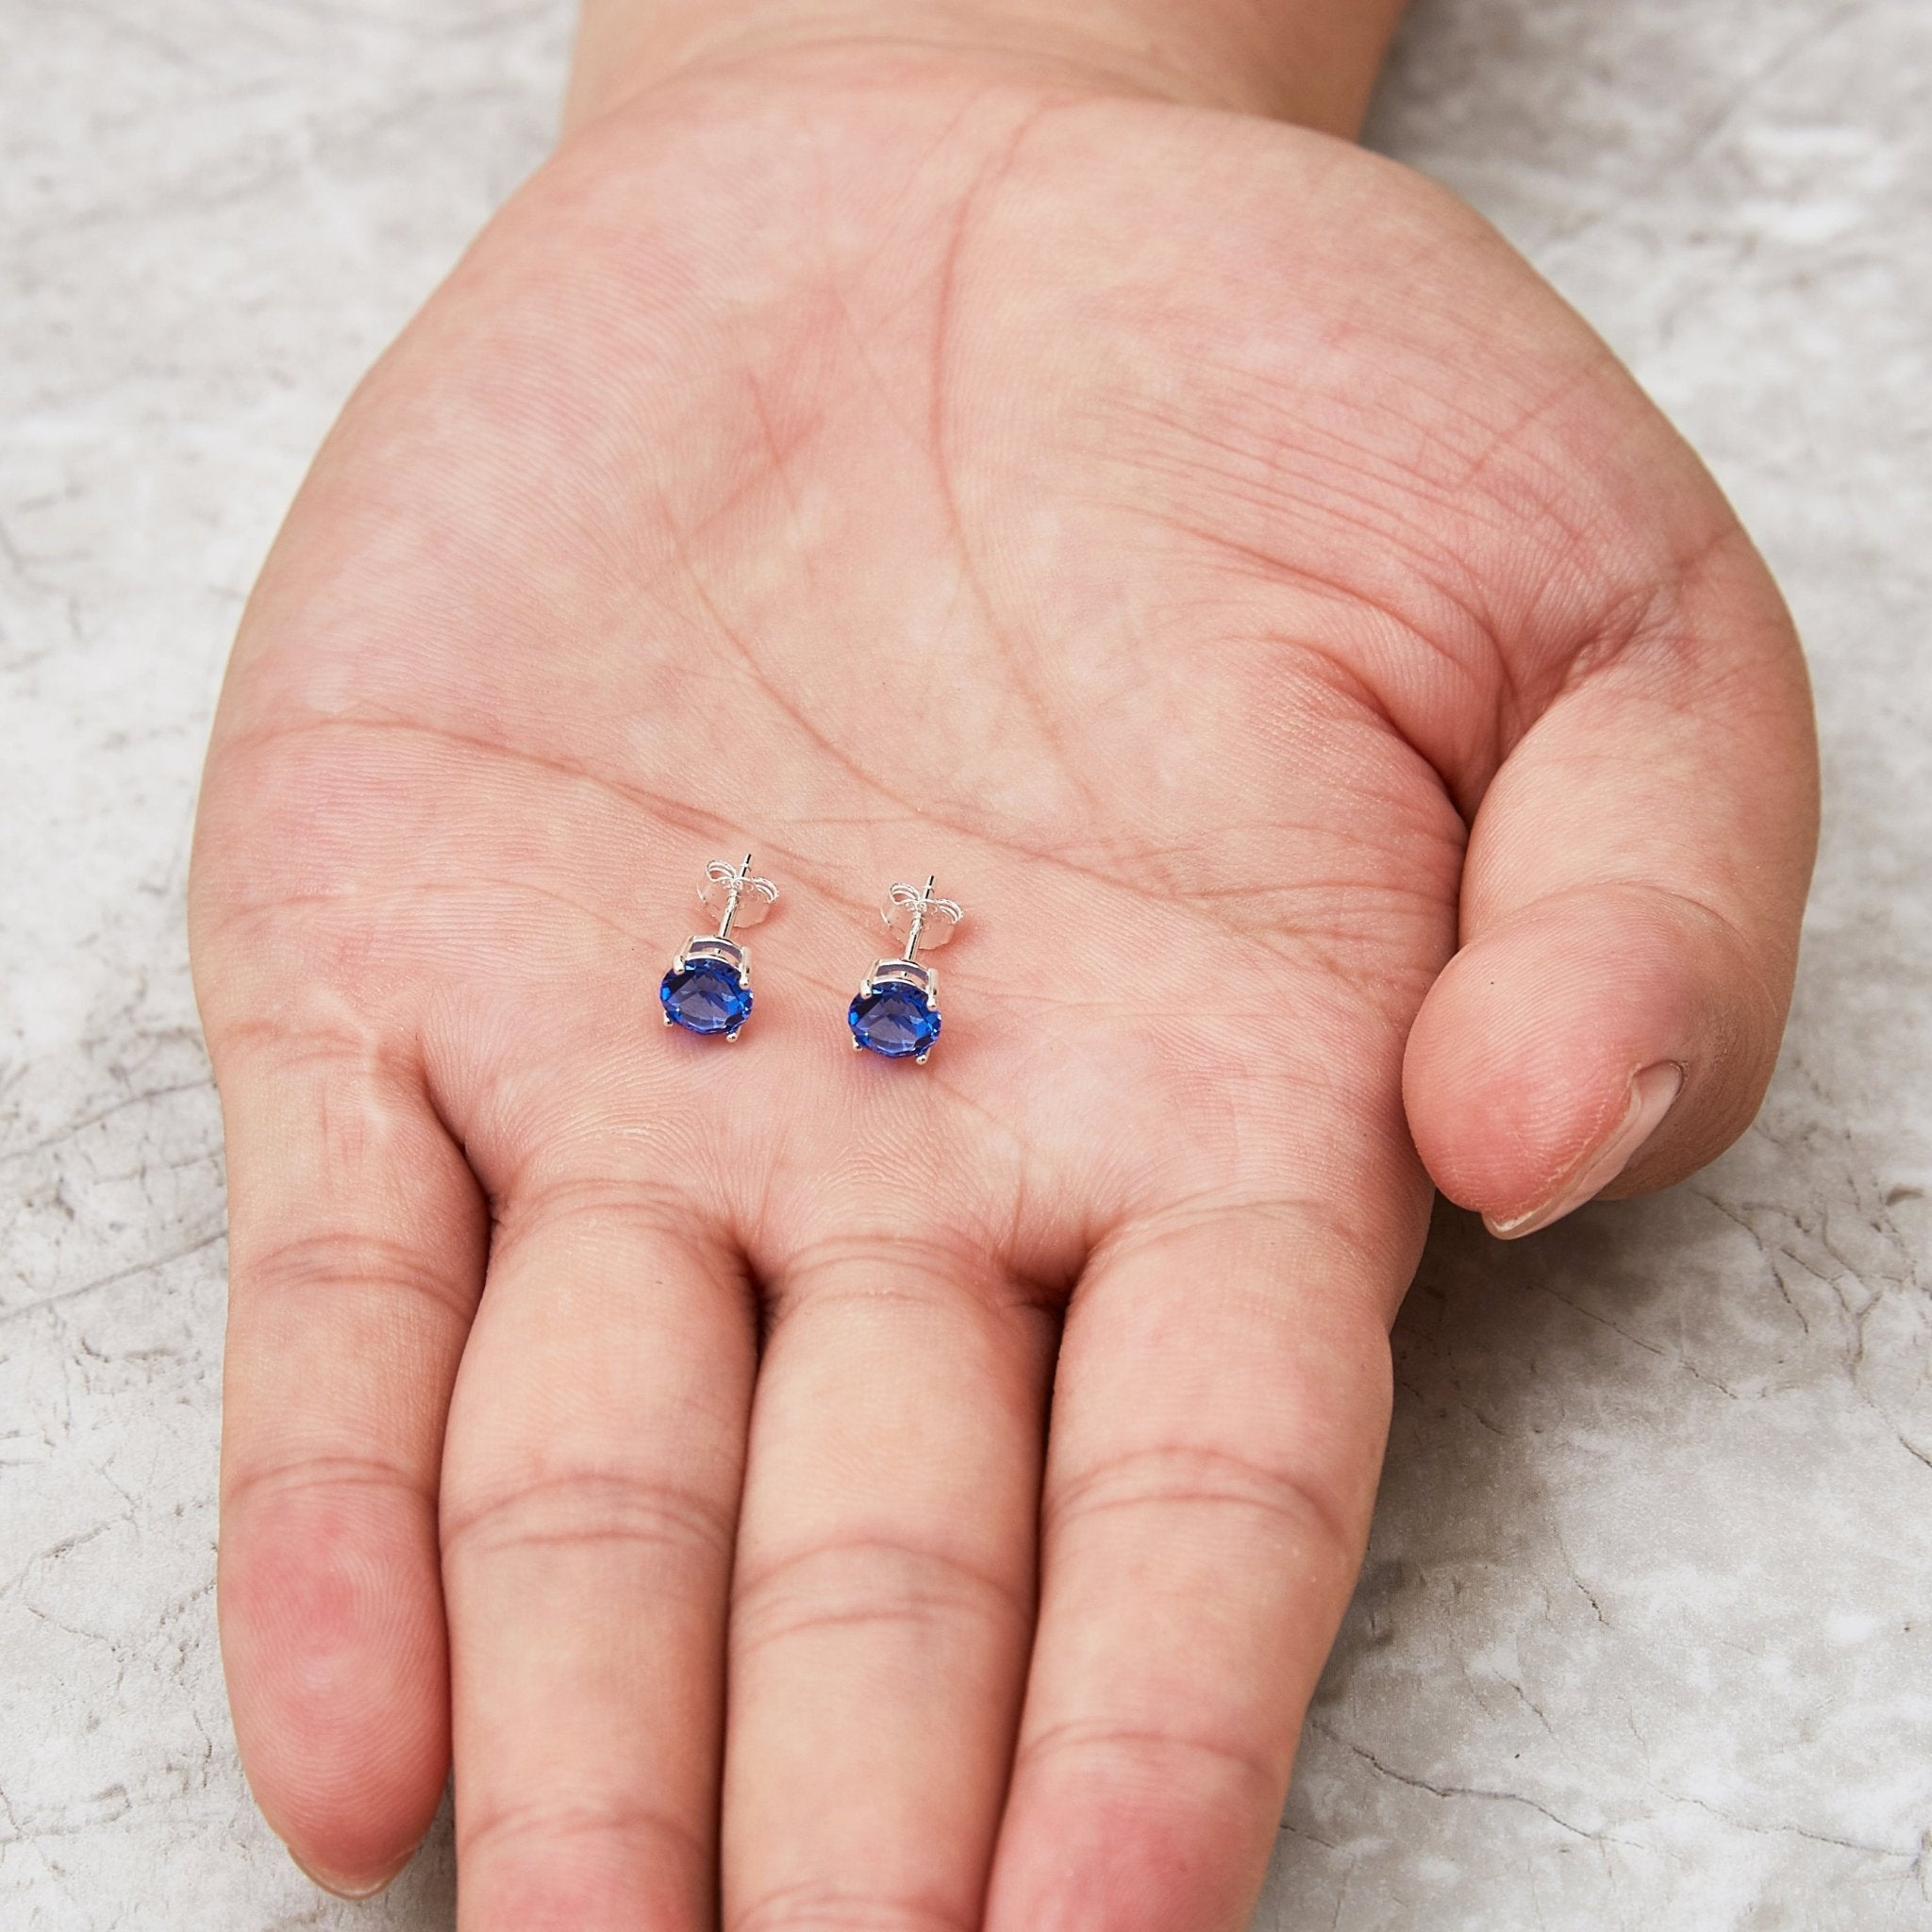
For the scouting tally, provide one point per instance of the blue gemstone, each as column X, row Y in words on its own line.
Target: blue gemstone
column 707, row 996
column 897, row 1021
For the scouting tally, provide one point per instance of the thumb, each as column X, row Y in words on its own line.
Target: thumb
column 1631, row 900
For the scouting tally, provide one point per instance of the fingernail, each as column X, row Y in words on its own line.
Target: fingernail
column 351, row 1887
column 1653, row 1094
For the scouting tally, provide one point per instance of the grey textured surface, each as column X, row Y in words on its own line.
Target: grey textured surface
column 1644, row 1638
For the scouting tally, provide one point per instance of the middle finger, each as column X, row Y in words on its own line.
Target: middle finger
column 884, row 1591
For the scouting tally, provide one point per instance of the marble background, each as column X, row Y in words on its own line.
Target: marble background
column 1644, row 1638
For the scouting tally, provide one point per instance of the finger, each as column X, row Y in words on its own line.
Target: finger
column 884, row 1594
column 596, row 1442
column 1218, row 1422
column 1631, row 910
column 355, row 1251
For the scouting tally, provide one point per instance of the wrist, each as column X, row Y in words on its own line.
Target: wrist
column 1310, row 61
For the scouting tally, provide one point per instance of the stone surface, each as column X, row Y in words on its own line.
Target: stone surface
column 1644, row 1638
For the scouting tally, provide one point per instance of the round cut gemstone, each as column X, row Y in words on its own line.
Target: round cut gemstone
column 896, row 1021
column 707, row 996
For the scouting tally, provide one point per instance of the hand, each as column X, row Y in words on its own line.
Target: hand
column 1213, row 553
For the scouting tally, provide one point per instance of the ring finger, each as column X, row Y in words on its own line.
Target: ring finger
column 596, row 1445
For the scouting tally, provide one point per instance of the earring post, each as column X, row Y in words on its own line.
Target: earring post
column 737, row 893
column 919, row 912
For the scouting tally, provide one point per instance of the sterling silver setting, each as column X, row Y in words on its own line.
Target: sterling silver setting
column 905, row 1028
column 708, row 990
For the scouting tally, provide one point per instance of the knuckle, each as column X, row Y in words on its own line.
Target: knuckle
column 586, row 1504
column 556, row 1213
column 550, row 1865
column 337, row 1261
column 1158, row 1759
column 1196, row 1477
column 338, row 1485
column 860, row 1582
column 817, row 1907
column 633, row 1826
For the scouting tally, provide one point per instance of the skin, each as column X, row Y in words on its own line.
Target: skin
column 1363, row 742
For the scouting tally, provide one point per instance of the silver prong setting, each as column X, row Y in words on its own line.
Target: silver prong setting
column 896, row 1013
column 708, row 990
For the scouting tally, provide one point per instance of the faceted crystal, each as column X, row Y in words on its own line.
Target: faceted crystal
column 707, row 996
column 900, row 1022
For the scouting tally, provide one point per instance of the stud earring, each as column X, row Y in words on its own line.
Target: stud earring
column 896, row 1011
column 709, row 987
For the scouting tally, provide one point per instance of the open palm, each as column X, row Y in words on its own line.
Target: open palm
column 1175, row 532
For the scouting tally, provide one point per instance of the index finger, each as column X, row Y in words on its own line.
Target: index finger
column 1218, row 1425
